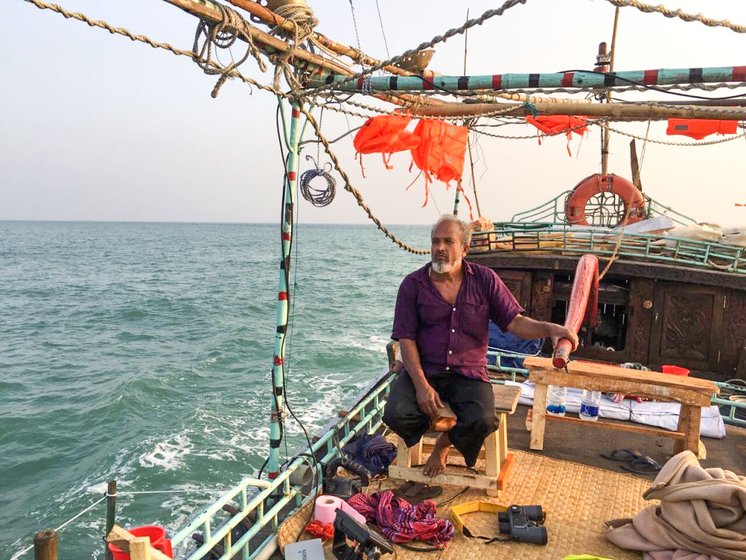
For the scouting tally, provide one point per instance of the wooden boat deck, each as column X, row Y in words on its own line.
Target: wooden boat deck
column 577, row 488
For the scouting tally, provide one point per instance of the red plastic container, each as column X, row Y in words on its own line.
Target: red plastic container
column 157, row 537
column 675, row 370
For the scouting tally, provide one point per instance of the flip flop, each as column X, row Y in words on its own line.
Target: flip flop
column 625, row 455
column 642, row 465
column 416, row 492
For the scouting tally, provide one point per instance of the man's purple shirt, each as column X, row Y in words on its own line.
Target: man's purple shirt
column 453, row 337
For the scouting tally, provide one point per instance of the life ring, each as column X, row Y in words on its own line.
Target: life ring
column 634, row 201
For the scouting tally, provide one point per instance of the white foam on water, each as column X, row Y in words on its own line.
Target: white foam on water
column 372, row 343
column 167, row 455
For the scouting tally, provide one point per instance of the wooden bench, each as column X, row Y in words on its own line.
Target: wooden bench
column 691, row 392
column 498, row 461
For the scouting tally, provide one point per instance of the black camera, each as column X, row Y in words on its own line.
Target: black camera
column 368, row 545
column 345, row 487
column 524, row 524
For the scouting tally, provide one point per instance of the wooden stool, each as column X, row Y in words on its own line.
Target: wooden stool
column 498, row 461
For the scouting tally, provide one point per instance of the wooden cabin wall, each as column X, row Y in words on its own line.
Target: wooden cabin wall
column 699, row 327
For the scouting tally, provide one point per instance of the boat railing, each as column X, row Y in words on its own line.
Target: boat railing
column 553, row 211
column 554, row 238
column 268, row 503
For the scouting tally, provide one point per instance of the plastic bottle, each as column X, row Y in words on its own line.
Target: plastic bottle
column 556, row 400
column 590, row 403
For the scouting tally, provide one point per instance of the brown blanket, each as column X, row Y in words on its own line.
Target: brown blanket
column 701, row 516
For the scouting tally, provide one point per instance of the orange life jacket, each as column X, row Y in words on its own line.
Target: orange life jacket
column 699, row 128
column 385, row 134
column 556, row 124
column 440, row 152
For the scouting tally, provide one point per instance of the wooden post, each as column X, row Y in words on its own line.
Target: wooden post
column 45, row 545
column 111, row 501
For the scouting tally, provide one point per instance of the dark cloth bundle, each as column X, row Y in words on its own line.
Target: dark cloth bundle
column 371, row 451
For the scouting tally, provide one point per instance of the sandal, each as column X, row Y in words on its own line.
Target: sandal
column 625, row 455
column 416, row 492
column 642, row 465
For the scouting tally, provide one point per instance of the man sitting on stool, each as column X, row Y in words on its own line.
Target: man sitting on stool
column 441, row 322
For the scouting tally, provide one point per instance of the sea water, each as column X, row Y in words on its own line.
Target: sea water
column 141, row 352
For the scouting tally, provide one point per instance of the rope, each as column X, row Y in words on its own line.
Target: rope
column 434, row 41
column 317, row 197
column 144, row 39
column 223, row 35
column 352, row 190
column 65, row 524
column 647, row 8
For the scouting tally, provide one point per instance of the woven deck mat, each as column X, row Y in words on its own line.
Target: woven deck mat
column 576, row 498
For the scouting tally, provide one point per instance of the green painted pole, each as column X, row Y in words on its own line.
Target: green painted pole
column 278, row 360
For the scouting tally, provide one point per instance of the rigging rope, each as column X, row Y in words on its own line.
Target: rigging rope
column 434, row 41
column 647, row 8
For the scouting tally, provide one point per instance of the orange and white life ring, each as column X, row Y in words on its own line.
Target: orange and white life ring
column 634, row 201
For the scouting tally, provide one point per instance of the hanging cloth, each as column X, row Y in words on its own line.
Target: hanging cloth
column 384, row 134
column 552, row 125
column 699, row 128
column 440, row 152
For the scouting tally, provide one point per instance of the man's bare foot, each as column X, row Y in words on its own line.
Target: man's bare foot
column 436, row 463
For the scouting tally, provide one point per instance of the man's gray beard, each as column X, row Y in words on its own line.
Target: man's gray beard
column 441, row 267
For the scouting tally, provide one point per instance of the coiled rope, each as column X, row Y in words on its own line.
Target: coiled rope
column 318, row 197
column 223, row 35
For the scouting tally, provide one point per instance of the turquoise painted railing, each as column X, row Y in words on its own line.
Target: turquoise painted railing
column 522, row 237
column 273, row 501
column 553, row 212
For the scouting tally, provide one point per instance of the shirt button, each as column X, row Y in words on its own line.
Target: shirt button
column 454, row 309
column 453, row 330
column 447, row 368
column 450, row 351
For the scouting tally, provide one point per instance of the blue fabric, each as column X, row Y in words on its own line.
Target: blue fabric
column 508, row 341
column 371, row 451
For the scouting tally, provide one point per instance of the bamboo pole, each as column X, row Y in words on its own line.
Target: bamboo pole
column 615, row 111
column 265, row 41
column 45, row 545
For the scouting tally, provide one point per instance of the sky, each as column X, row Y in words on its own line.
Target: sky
column 96, row 127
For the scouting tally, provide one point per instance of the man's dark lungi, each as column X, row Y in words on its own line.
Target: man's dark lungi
column 471, row 400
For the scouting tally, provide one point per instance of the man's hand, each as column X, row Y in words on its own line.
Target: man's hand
column 428, row 400
column 557, row 332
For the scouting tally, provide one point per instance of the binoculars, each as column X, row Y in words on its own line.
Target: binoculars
column 523, row 524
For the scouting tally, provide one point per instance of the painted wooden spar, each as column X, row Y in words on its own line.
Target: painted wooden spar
column 503, row 82
column 583, row 303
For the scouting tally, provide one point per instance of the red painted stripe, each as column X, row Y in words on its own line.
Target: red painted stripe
column 291, row 175
column 285, row 236
column 278, row 361
column 360, row 83
column 296, row 113
column 282, row 296
column 273, row 475
column 650, row 77
column 497, row 81
column 428, row 83
column 567, row 79
column 739, row 73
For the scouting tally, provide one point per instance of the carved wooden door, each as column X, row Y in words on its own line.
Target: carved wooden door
column 687, row 326
column 518, row 282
